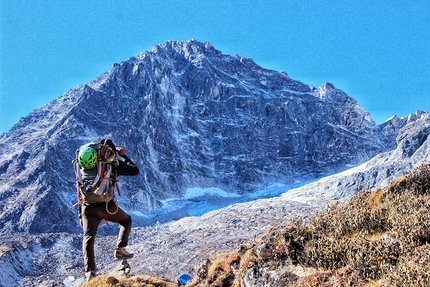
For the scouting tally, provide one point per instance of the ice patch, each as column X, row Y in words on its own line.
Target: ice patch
column 197, row 192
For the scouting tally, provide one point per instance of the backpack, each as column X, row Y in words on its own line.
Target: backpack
column 97, row 184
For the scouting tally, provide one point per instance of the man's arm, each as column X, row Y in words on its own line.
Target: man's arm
column 125, row 167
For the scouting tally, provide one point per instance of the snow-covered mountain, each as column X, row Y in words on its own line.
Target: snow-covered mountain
column 194, row 119
column 189, row 116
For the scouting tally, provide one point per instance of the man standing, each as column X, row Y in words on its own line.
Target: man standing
column 93, row 213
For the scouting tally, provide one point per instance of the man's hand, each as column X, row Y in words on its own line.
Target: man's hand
column 120, row 151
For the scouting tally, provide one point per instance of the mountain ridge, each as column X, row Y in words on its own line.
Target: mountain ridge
column 189, row 117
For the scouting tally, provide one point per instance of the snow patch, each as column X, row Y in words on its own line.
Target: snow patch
column 197, row 192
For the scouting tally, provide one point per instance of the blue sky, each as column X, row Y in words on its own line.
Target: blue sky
column 378, row 52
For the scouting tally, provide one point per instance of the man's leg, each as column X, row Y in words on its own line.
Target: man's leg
column 90, row 224
column 123, row 219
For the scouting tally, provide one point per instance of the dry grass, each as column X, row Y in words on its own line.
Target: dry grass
column 374, row 239
column 132, row 281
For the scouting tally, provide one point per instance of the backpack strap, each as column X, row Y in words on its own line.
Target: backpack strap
column 79, row 183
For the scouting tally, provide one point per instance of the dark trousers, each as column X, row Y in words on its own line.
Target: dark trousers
column 92, row 215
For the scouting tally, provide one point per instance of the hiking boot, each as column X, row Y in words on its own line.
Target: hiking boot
column 121, row 253
column 90, row 275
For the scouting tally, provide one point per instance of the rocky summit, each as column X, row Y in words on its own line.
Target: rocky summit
column 192, row 117
column 189, row 116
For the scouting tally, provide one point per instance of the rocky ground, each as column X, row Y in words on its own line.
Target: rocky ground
column 164, row 250
column 171, row 249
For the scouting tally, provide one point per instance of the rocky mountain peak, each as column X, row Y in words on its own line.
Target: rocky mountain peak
column 189, row 49
column 189, row 116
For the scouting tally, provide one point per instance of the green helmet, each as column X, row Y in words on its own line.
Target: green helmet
column 87, row 157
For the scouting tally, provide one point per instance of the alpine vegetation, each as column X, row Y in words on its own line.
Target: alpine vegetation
column 376, row 238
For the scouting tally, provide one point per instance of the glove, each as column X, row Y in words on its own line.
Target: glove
column 120, row 151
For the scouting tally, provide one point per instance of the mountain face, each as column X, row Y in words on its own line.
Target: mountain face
column 188, row 116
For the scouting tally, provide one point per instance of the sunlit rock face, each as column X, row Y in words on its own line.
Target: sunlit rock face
column 188, row 116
